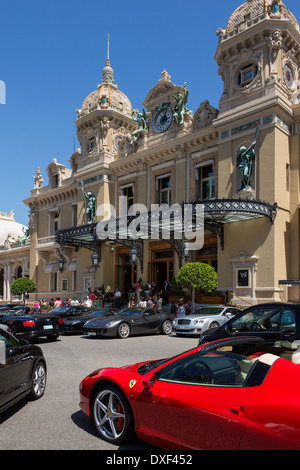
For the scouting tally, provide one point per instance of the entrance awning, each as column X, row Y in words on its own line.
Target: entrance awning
column 217, row 213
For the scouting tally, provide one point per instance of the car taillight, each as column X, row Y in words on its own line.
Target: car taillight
column 60, row 321
column 28, row 323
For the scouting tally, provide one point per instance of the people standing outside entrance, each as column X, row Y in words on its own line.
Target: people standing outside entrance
column 117, row 298
column 147, row 288
column 165, row 292
column 57, row 303
column 138, row 291
column 131, row 295
column 107, row 292
column 92, row 298
column 181, row 309
column 154, row 292
column 173, row 308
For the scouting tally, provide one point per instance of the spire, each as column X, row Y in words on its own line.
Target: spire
column 107, row 73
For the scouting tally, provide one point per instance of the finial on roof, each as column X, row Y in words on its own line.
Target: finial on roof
column 108, row 47
column 107, row 73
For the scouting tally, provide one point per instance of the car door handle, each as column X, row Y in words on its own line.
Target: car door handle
column 237, row 410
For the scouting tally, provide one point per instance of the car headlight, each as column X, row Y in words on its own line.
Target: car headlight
column 198, row 321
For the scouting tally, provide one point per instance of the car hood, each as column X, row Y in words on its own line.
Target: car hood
column 104, row 320
column 77, row 318
column 197, row 317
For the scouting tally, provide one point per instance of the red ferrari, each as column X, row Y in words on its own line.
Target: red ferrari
column 236, row 393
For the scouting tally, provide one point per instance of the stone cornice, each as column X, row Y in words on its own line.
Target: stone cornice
column 165, row 150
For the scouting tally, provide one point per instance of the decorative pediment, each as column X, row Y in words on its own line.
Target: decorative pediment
column 164, row 87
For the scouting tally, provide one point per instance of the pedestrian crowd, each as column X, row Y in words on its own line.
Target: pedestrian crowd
column 138, row 296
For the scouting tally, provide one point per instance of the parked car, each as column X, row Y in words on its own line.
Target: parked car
column 32, row 325
column 22, row 370
column 68, row 311
column 14, row 307
column 221, row 395
column 203, row 318
column 131, row 321
column 74, row 324
column 276, row 320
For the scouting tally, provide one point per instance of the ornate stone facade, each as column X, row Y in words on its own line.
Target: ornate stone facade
column 165, row 153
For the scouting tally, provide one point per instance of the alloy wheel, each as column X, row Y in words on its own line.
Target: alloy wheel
column 109, row 415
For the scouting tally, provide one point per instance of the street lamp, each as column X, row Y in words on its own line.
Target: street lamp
column 61, row 263
column 134, row 254
column 185, row 250
column 95, row 259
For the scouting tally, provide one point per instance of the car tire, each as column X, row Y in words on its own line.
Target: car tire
column 214, row 324
column 166, row 327
column 123, row 330
column 52, row 337
column 112, row 414
column 38, row 381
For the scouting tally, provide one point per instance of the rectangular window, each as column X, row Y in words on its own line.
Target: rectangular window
column 56, row 222
column 128, row 191
column 91, row 144
column 206, row 182
column 55, row 181
column 163, row 188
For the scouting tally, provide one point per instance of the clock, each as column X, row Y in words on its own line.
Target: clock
column 288, row 75
column 162, row 119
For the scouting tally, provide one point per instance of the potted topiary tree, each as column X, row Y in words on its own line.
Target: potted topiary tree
column 23, row 286
column 199, row 276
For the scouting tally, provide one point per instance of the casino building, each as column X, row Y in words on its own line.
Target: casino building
column 239, row 162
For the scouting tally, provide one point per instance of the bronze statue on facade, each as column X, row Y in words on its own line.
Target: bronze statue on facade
column 180, row 109
column 245, row 159
column 142, row 126
column 90, row 204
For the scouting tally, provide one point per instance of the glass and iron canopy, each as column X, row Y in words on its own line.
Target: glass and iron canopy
column 217, row 213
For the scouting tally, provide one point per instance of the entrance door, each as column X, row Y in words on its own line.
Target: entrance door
column 160, row 274
column 126, row 274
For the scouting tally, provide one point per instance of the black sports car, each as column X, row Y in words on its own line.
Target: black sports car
column 6, row 308
column 135, row 321
column 75, row 323
column 271, row 321
column 32, row 325
column 22, row 370
column 68, row 311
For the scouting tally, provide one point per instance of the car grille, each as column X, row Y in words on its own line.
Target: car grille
column 95, row 330
column 183, row 322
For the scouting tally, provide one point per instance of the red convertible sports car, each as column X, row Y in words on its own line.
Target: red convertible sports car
column 236, row 393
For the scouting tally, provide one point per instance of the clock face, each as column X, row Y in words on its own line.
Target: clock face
column 162, row 120
column 288, row 75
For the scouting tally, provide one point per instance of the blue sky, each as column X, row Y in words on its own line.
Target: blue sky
column 52, row 56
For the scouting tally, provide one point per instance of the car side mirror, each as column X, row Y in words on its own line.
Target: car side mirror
column 149, row 381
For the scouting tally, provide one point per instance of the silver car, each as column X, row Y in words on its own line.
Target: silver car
column 204, row 318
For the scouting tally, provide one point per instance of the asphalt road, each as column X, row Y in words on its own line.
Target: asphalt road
column 55, row 422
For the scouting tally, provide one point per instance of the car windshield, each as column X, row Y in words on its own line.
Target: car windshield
column 208, row 311
column 60, row 309
column 15, row 312
column 260, row 319
column 132, row 312
column 103, row 312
